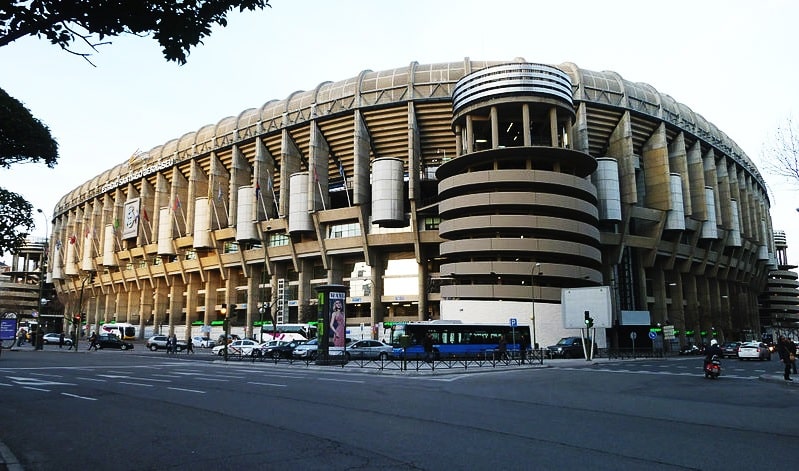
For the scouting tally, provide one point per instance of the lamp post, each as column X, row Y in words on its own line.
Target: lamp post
column 39, row 344
column 262, row 310
column 225, row 324
column 532, row 298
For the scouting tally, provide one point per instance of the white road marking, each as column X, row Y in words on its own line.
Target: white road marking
column 186, row 390
column 342, row 380
column 267, row 384
column 79, row 397
column 136, row 384
column 36, row 389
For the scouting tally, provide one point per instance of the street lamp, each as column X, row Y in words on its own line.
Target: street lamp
column 262, row 310
column 225, row 324
column 532, row 298
column 39, row 344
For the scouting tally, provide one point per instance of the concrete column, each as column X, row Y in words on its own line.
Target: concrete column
column 528, row 138
column 109, row 303
column 121, row 311
column 253, row 296
column 494, row 127
column 131, row 314
column 659, row 292
column 469, row 134
column 304, row 291
column 192, row 294
column 176, row 303
column 160, row 304
column 145, row 308
column 553, row 127
column 378, row 311
column 212, row 279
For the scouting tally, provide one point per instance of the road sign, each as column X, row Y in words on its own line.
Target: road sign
column 652, row 335
column 668, row 332
column 513, row 322
column 633, row 335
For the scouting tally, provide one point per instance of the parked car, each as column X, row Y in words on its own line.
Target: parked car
column 306, row 350
column 369, row 349
column 236, row 347
column 112, row 341
column 754, row 351
column 158, row 342
column 730, row 349
column 202, row 342
column 54, row 338
column 278, row 348
column 568, row 347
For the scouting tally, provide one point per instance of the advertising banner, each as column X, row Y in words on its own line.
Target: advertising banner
column 130, row 228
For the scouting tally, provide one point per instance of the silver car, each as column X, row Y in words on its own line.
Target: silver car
column 369, row 349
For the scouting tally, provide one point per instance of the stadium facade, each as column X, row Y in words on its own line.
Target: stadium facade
column 473, row 190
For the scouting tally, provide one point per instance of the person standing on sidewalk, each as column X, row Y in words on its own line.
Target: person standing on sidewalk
column 787, row 356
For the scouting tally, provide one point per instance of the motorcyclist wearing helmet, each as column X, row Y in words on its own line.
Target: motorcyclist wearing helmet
column 713, row 350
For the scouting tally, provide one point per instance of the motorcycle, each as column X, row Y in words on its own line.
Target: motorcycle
column 713, row 368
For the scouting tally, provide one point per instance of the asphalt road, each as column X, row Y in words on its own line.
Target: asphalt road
column 139, row 410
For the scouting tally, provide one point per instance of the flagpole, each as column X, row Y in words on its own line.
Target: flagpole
column 319, row 185
column 274, row 196
column 177, row 225
column 260, row 195
column 344, row 176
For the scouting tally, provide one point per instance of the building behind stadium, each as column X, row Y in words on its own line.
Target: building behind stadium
column 460, row 190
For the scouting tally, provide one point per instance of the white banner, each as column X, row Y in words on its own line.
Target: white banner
column 130, row 228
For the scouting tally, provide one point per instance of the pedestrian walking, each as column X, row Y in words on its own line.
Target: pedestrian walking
column 61, row 340
column 169, row 345
column 189, row 346
column 787, row 356
column 21, row 336
column 502, row 348
column 93, row 341
column 523, row 345
column 427, row 344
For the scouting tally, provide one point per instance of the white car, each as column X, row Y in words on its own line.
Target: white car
column 369, row 349
column 202, row 342
column 754, row 351
column 237, row 347
column 306, row 350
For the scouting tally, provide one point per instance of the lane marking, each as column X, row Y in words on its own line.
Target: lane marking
column 79, row 397
column 342, row 380
column 91, row 379
column 186, row 390
column 136, row 384
column 267, row 384
column 36, row 389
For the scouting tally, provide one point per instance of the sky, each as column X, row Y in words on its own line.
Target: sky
column 731, row 61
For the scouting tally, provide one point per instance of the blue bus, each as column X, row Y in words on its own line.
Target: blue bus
column 455, row 339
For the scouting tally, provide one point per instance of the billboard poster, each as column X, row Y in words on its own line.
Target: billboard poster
column 130, row 228
column 8, row 329
column 338, row 319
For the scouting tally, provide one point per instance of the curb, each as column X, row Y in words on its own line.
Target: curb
column 780, row 379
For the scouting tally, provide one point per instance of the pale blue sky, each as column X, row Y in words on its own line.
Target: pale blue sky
column 731, row 61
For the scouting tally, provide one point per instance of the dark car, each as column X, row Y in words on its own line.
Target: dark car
column 730, row 349
column 568, row 347
column 279, row 350
column 691, row 349
column 112, row 341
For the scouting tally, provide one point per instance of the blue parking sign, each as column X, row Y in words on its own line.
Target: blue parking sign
column 513, row 322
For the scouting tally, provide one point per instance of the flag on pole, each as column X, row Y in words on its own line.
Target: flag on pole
column 144, row 214
column 116, row 224
column 72, row 239
column 315, row 175
column 257, row 189
column 58, row 244
column 341, row 170
column 176, row 204
column 219, row 192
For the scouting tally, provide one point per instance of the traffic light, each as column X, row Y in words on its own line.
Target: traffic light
column 589, row 321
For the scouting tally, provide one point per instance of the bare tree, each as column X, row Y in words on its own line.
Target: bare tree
column 781, row 155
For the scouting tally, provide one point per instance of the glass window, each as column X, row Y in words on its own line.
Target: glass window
column 337, row 231
column 278, row 240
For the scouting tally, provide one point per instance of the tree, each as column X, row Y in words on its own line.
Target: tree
column 781, row 156
column 23, row 138
column 15, row 220
column 176, row 25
